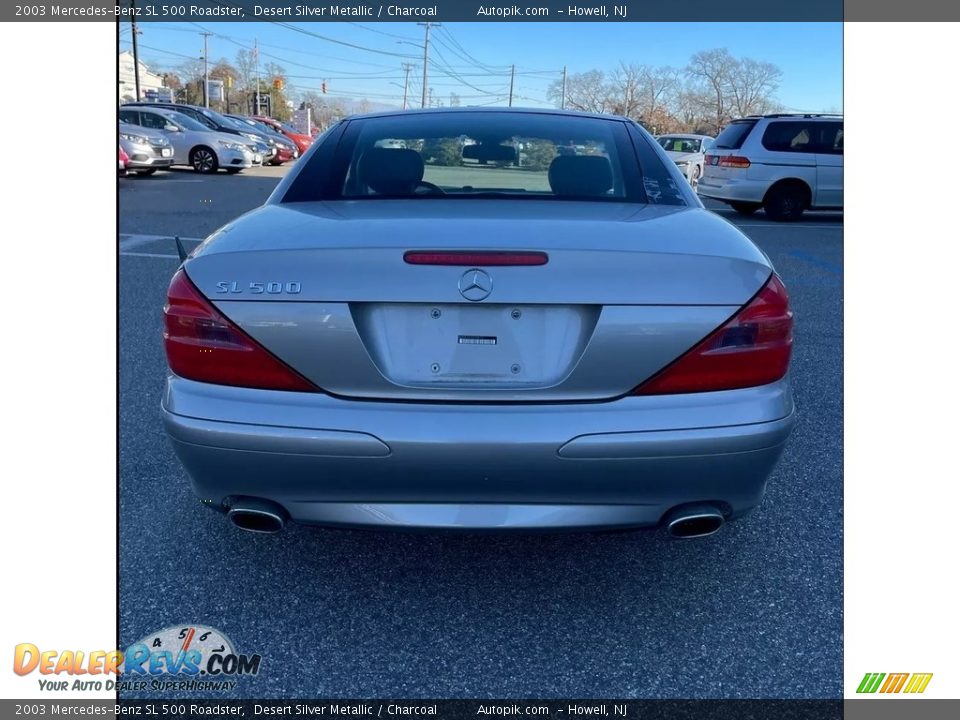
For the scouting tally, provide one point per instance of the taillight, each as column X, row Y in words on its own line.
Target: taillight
column 751, row 349
column 734, row 161
column 202, row 344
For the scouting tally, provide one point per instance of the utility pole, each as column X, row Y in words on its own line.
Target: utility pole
column 407, row 67
column 136, row 57
column 426, row 58
column 563, row 89
column 513, row 70
column 206, row 75
column 256, row 57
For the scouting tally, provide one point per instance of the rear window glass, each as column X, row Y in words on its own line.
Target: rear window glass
column 733, row 135
column 678, row 144
column 483, row 155
column 791, row 136
column 831, row 138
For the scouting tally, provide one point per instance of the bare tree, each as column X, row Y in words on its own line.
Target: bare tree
column 703, row 97
column 172, row 80
column 752, row 85
column 324, row 111
column 659, row 86
column 587, row 91
column 191, row 70
column 711, row 72
column 191, row 74
column 246, row 65
column 626, row 91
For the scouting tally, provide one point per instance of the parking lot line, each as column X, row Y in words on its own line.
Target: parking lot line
column 130, row 241
column 819, row 262
column 150, row 255
column 781, row 226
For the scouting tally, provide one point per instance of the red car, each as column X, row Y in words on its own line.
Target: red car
column 284, row 154
column 299, row 139
column 124, row 160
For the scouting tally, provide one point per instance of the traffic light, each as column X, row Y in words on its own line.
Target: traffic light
column 278, row 83
column 229, row 81
column 323, row 87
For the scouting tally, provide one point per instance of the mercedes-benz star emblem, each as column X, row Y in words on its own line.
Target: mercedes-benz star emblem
column 475, row 285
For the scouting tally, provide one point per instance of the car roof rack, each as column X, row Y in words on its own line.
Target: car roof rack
column 799, row 114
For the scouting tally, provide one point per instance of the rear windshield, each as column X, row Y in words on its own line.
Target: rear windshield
column 679, row 144
column 734, row 134
column 486, row 154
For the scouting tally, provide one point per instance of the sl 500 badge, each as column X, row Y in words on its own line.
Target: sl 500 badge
column 259, row 288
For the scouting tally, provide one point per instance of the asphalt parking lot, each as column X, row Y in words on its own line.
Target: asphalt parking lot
column 754, row 611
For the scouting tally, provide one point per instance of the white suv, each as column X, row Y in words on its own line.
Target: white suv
column 783, row 163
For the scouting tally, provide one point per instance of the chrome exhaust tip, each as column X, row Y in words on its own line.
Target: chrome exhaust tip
column 694, row 521
column 257, row 516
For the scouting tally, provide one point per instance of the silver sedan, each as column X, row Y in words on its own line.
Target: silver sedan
column 417, row 336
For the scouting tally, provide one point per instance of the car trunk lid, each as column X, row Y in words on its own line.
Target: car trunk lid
column 623, row 291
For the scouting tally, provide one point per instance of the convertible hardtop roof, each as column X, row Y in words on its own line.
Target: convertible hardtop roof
column 491, row 110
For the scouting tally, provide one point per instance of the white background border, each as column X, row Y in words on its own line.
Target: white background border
column 901, row 355
column 902, row 308
column 58, row 374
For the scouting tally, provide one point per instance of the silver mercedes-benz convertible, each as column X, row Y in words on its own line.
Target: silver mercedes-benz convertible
column 479, row 319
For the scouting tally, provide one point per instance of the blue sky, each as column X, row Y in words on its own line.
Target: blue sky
column 810, row 54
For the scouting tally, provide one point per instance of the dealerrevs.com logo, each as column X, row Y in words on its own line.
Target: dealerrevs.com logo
column 910, row 683
column 183, row 658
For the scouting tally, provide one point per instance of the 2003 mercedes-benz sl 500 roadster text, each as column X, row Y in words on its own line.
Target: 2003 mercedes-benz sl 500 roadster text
column 480, row 319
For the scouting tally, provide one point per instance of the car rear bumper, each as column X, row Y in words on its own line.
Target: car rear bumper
column 732, row 189
column 623, row 463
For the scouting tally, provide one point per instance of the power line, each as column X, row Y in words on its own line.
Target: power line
column 379, row 32
column 456, row 76
column 169, row 52
column 310, row 33
column 469, row 57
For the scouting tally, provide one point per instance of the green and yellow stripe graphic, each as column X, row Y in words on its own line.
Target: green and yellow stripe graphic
column 894, row 683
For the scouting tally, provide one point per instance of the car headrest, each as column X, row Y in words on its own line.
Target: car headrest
column 580, row 175
column 391, row 171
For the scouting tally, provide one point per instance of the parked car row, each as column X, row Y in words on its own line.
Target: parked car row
column 159, row 135
column 785, row 163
